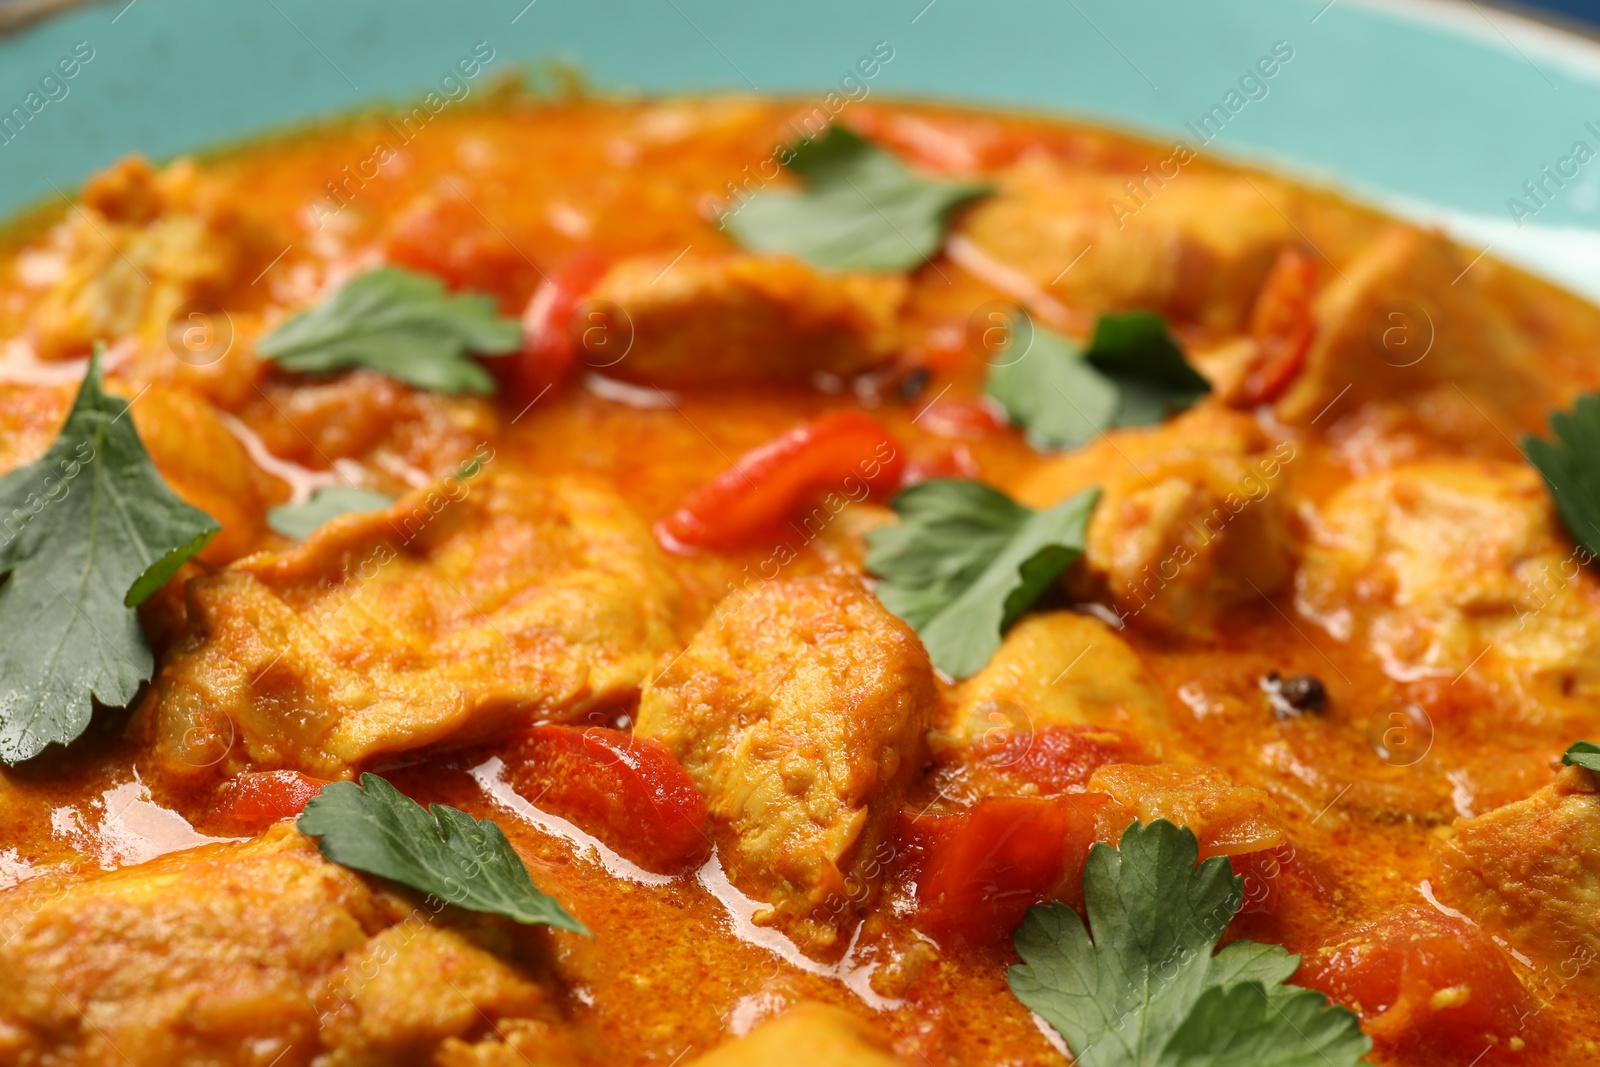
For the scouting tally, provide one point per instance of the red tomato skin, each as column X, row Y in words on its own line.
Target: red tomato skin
column 980, row 870
column 847, row 452
column 1425, row 982
column 1282, row 324
column 1288, row 896
column 627, row 791
column 256, row 799
column 444, row 234
column 549, row 348
column 1060, row 759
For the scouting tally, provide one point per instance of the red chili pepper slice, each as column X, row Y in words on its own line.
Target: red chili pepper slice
column 1282, row 324
column 847, row 452
column 549, row 349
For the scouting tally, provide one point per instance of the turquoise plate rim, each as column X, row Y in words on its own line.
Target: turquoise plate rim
column 1433, row 109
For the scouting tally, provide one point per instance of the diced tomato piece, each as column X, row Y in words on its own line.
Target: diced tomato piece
column 627, row 791
column 444, row 234
column 1059, row 759
column 981, row 869
column 549, row 342
column 257, row 799
column 847, row 452
column 1288, row 894
column 1427, row 983
column 1282, row 325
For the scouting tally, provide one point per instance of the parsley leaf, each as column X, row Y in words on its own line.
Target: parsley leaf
column 374, row 827
column 300, row 520
column 1582, row 754
column 86, row 534
column 1571, row 467
column 1147, row 990
column 401, row 324
column 965, row 561
column 1133, row 373
column 861, row 209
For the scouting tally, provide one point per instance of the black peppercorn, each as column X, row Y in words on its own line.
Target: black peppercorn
column 915, row 381
column 1294, row 695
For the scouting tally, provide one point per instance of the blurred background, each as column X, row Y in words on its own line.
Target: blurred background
column 1438, row 110
column 1581, row 11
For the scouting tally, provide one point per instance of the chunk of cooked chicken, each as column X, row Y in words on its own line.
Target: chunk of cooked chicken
column 261, row 946
column 1190, row 520
column 1059, row 669
column 412, row 986
column 1063, row 696
column 715, row 320
column 1228, row 819
column 1529, row 872
column 462, row 612
column 198, row 458
column 1197, row 248
column 140, row 244
column 386, row 426
column 540, row 1042
column 799, row 712
column 206, row 466
column 1453, row 564
column 1407, row 317
column 808, row 1033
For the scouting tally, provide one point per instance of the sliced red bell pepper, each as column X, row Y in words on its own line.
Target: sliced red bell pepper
column 847, row 452
column 627, row 791
column 1282, row 324
column 256, row 799
column 980, row 870
column 549, row 345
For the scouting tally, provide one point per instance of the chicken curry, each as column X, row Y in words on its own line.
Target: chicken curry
column 709, row 581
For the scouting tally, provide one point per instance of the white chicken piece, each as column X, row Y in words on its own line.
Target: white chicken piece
column 1446, row 565
column 1529, row 872
column 715, row 320
column 464, row 611
column 799, row 711
column 1191, row 517
column 1196, row 248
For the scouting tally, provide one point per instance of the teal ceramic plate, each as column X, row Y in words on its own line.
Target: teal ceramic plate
column 1448, row 112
